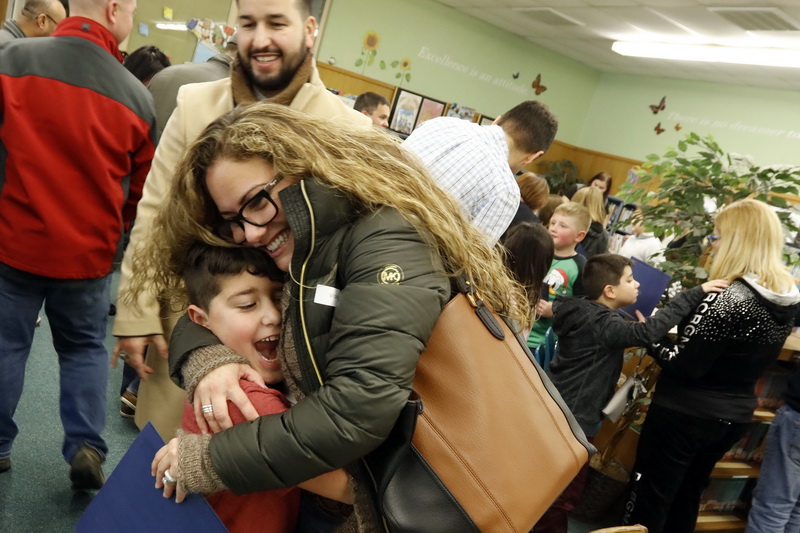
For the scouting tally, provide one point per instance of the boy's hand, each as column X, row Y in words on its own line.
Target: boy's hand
column 544, row 309
column 715, row 285
column 640, row 317
column 216, row 388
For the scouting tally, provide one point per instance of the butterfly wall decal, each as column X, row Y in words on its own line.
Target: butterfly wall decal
column 515, row 76
column 658, row 129
column 660, row 107
column 537, row 85
column 678, row 127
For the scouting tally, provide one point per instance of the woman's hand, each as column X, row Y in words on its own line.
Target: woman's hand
column 715, row 285
column 215, row 389
column 167, row 471
column 132, row 351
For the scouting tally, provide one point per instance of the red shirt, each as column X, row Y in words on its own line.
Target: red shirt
column 271, row 511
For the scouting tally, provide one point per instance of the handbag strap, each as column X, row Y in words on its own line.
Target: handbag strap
column 484, row 313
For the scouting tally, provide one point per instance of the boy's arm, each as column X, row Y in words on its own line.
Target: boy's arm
column 618, row 333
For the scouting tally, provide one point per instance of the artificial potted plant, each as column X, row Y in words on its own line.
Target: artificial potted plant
column 696, row 180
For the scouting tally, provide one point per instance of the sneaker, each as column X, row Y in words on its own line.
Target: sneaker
column 127, row 407
column 86, row 472
column 5, row 464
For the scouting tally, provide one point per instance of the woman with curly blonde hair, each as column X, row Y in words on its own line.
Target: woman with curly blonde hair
column 369, row 244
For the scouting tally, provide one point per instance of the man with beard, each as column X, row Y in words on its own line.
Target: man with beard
column 274, row 63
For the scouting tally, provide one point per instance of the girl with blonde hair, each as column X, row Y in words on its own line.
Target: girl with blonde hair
column 369, row 244
column 705, row 395
column 596, row 240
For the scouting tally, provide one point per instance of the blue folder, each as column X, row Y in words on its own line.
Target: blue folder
column 652, row 284
column 130, row 503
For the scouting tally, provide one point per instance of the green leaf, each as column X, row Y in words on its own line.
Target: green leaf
column 682, row 146
column 382, row 64
column 395, row 63
column 780, row 202
column 653, row 157
column 371, row 60
column 359, row 62
column 408, row 76
column 397, row 76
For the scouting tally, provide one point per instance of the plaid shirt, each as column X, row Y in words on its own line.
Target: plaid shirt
column 471, row 163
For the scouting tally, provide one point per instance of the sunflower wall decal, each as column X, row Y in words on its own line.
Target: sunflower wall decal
column 369, row 49
column 403, row 67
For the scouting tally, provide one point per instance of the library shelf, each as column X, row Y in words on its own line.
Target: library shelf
column 728, row 469
column 763, row 415
column 721, row 522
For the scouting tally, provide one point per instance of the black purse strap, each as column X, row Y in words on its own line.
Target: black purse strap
column 461, row 286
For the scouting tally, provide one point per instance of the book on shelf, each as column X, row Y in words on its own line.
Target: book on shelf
column 750, row 448
column 771, row 385
column 726, row 494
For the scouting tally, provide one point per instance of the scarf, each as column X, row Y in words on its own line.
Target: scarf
column 244, row 93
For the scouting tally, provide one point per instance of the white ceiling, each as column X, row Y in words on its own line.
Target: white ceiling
column 592, row 25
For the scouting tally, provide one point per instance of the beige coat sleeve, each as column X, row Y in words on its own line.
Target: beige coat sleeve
column 186, row 123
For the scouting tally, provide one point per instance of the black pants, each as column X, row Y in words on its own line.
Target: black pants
column 674, row 460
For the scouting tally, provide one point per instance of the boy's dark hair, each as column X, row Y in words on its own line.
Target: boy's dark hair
column 206, row 265
column 529, row 253
column 602, row 270
column 369, row 102
column 530, row 125
column 145, row 62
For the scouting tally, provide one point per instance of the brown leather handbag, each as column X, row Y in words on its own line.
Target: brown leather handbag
column 485, row 442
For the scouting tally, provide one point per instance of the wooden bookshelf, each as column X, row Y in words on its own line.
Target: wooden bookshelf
column 791, row 349
column 763, row 415
column 733, row 468
column 722, row 522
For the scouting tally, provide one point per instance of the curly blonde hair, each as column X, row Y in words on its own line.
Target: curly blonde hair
column 368, row 166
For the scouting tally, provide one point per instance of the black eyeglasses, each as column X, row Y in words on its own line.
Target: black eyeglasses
column 258, row 211
column 30, row 14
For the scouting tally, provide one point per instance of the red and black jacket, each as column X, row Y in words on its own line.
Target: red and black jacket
column 75, row 148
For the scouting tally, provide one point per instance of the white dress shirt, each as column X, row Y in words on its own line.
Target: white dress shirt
column 471, row 163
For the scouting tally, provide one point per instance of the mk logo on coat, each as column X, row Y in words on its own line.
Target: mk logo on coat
column 390, row 275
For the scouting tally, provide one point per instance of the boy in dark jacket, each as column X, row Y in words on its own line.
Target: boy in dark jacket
column 592, row 337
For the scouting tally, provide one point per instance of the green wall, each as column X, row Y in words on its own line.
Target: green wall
column 457, row 58
column 179, row 46
column 759, row 122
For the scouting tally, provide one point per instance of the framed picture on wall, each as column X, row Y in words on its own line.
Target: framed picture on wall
column 429, row 109
column 404, row 111
column 461, row 111
column 486, row 121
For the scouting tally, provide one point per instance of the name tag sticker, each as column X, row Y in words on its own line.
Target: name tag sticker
column 325, row 295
